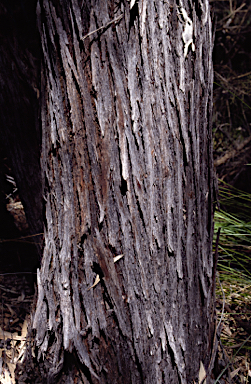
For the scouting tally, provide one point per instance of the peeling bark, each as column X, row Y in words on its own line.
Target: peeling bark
column 127, row 169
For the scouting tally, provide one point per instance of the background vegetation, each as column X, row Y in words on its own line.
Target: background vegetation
column 232, row 154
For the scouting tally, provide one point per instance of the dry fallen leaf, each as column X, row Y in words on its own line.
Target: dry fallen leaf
column 97, row 280
column 5, row 377
column 9, row 335
column 202, row 374
column 234, row 373
column 23, row 342
column 12, row 368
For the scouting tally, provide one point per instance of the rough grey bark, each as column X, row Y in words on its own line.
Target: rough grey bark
column 127, row 169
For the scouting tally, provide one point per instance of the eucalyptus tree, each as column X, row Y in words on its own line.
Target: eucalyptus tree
column 126, row 284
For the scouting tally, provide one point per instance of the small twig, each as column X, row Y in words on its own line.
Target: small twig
column 18, row 273
column 232, row 153
column 232, row 13
column 240, row 76
column 8, row 290
column 103, row 27
column 223, row 303
column 21, row 238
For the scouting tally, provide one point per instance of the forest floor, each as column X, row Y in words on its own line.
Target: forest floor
column 16, row 301
column 233, row 307
column 233, row 312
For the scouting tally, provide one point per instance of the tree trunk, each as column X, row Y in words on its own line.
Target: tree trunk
column 127, row 170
